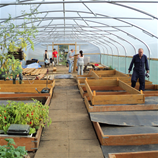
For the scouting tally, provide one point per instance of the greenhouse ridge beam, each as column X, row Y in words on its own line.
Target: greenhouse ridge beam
column 60, row 27
column 95, row 17
column 57, row 2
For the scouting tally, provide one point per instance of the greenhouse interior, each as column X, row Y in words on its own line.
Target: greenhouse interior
column 78, row 79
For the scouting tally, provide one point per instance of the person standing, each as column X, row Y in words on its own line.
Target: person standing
column 70, row 59
column 140, row 62
column 46, row 61
column 80, row 62
column 54, row 57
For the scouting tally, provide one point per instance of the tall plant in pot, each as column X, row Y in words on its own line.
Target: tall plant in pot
column 15, row 38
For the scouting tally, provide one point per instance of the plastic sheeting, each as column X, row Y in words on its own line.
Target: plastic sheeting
column 33, row 65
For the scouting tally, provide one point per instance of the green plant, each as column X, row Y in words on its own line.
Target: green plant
column 33, row 114
column 8, row 151
column 111, row 68
column 11, row 66
column 14, row 39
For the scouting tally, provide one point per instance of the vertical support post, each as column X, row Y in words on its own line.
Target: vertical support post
column 58, row 54
column 47, row 47
column 75, row 48
column 68, row 49
column 52, row 46
column 75, row 62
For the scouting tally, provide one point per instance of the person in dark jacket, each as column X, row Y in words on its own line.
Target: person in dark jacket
column 140, row 62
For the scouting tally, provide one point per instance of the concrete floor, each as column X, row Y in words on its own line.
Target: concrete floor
column 71, row 134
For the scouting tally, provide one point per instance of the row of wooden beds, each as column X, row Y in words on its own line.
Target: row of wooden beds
column 26, row 91
column 105, row 89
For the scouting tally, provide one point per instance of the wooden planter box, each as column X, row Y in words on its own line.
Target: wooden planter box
column 25, row 88
column 103, row 108
column 150, row 90
column 31, row 143
column 144, row 154
column 27, row 82
column 129, row 139
column 108, row 73
column 133, row 97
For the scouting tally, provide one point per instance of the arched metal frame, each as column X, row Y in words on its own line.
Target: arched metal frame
column 110, row 32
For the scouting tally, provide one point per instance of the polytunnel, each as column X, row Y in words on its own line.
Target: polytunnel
column 117, row 28
column 111, row 115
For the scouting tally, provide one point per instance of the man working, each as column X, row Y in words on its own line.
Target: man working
column 54, row 56
column 70, row 59
column 140, row 62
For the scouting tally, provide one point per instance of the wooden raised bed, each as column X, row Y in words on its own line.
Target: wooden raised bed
column 133, row 97
column 27, row 82
column 30, row 143
column 26, row 87
column 150, row 90
column 129, row 139
column 144, row 154
column 103, row 108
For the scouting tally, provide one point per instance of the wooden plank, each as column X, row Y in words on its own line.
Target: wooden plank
column 113, row 88
column 22, row 89
column 39, row 77
column 81, row 91
column 142, row 154
column 5, row 96
column 36, row 72
column 129, row 139
column 118, row 99
column 43, row 71
column 27, row 82
column 118, row 73
column 29, row 70
column 105, row 72
column 128, row 88
column 25, row 85
column 88, row 90
column 102, row 82
column 119, row 107
column 94, row 75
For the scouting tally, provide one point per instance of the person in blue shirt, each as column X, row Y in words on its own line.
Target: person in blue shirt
column 140, row 62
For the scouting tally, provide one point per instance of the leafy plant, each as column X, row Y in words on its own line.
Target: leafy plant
column 11, row 66
column 33, row 114
column 111, row 68
column 14, row 39
column 8, row 151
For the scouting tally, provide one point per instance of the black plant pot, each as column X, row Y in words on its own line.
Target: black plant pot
column 14, row 81
column 2, row 76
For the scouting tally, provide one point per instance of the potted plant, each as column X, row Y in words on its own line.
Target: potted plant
column 8, row 151
column 34, row 114
column 15, row 39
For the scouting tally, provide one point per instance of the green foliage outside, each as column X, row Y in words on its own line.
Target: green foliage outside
column 33, row 114
column 64, row 55
column 8, row 151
